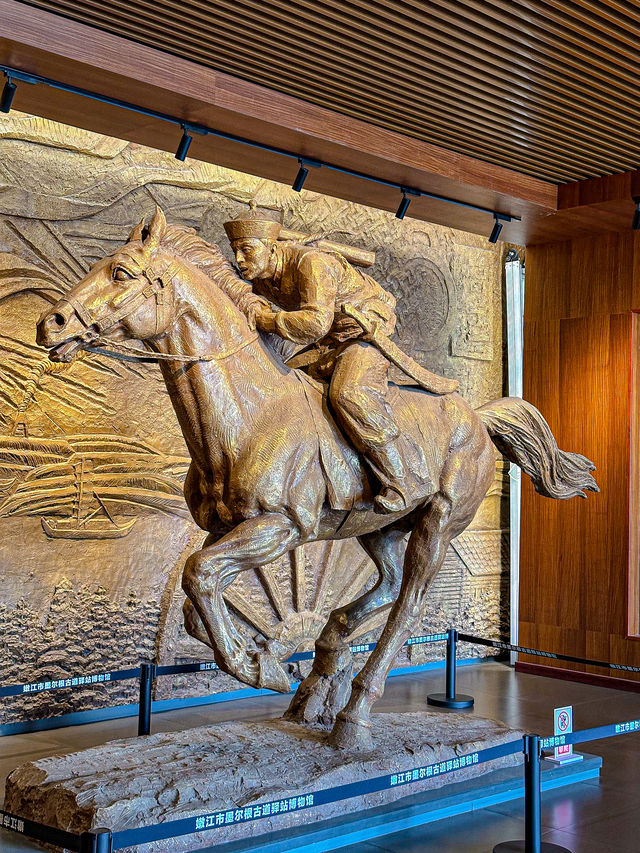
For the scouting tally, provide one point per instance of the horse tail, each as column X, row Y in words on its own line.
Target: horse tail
column 523, row 436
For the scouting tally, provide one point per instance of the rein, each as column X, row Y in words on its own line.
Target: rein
column 129, row 353
column 154, row 288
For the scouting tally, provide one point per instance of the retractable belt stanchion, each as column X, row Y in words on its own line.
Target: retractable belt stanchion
column 147, row 676
column 451, row 699
column 532, row 823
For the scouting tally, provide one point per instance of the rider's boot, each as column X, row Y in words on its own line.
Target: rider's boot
column 389, row 466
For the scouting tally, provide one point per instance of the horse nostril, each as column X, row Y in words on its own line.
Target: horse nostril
column 59, row 320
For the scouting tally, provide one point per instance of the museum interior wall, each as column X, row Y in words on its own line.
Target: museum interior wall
column 578, row 592
column 95, row 530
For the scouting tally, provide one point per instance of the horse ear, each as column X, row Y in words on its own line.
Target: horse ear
column 136, row 234
column 155, row 229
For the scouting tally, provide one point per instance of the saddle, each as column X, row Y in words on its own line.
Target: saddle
column 348, row 478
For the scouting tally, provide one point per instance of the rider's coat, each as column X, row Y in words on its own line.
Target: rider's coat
column 311, row 286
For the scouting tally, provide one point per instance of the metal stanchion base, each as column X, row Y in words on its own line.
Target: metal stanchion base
column 440, row 700
column 520, row 847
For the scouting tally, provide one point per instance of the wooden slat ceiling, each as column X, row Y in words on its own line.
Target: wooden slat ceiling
column 550, row 89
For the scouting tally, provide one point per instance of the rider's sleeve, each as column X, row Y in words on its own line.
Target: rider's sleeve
column 239, row 290
column 316, row 280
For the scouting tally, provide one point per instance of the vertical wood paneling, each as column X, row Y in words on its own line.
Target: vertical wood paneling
column 549, row 263
column 577, row 370
column 633, row 603
column 609, row 293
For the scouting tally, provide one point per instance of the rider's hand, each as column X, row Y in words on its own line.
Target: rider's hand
column 254, row 309
column 369, row 337
column 265, row 320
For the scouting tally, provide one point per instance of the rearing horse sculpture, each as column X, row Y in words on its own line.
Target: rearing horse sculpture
column 270, row 471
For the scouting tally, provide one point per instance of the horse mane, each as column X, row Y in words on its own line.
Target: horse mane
column 206, row 256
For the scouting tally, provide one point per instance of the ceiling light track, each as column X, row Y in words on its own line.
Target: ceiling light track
column 14, row 74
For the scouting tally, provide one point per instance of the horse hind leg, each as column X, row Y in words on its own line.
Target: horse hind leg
column 425, row 554
column 464, row 481
column 326, row 689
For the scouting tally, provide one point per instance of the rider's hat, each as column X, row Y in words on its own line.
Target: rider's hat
column 252, row 224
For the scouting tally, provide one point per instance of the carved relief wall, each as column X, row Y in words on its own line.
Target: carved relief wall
column 94, row 529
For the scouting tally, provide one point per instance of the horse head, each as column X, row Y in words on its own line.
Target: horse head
column 126, row 295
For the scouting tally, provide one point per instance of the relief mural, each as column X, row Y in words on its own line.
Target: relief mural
column 95, row 530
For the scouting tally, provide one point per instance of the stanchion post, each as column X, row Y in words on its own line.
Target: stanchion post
column 532, row 807
column 147, row 676
column 532, row 804
column 452, row 660
column 97, row 841
column 451, row 699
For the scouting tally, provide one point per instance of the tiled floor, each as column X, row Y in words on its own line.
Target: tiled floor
column 590, row 817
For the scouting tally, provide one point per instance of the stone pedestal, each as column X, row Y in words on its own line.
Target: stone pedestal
column 235, row 766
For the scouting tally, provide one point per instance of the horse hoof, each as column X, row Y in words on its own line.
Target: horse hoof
column 272, row 675
column 298, row 710
column 351, row 734
column 319, row 698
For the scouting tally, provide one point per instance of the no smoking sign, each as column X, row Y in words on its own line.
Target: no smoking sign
column 563, row 725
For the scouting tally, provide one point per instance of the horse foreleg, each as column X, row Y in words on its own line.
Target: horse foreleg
column 208, row 572
column 425, row 554
column 193, row 623
column 326, row 689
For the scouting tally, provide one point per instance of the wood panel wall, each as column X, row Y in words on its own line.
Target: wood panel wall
column 574, row 595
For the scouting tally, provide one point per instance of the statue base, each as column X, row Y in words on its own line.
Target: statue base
column 234, row 766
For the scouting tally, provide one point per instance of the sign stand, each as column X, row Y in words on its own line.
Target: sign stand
column 563, row 725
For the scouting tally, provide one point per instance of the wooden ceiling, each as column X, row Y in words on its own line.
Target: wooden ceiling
column 115, row 65
column 549, row 89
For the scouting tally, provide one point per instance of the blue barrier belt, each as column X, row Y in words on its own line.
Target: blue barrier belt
column 40, row 831
column 586, row 735
column 71, row 682
column 509, row 647
column 361, row 648
column 258, row 811
column 173, row 669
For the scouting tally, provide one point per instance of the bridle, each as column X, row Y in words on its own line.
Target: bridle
column 97, row 324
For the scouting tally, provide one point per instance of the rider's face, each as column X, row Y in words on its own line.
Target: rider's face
column 253, row 257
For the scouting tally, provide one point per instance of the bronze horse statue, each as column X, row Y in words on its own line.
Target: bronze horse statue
column 270, row 470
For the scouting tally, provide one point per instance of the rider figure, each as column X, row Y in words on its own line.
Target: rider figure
column 310, row 287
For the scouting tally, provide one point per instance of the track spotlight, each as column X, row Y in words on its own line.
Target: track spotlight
column 402, row 207
column 301, row 177
column 495, row 231
column 303, row 171
column 636, row 214
column 405, row 201
column 8, row 94
column 183, row 147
